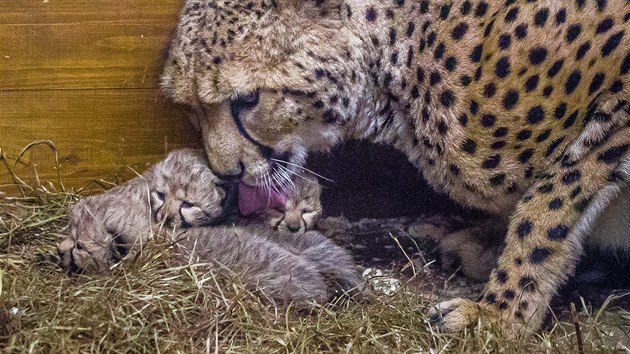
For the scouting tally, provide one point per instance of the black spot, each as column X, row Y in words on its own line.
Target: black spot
column 546, row 188
column 525, row 155
column 501, row 276
column 470, row 146
column 394, row 58
column 601, row 5
column 582, row 50
column 531, row 83
column 509, row 294
column 573, row 32
column 415, row 93
column 463, row 120
column 216, row 60
column 410, row 28
column 555, row 68
column 561, row 16
column 543, row 136
column 491, row 298
column 465, row 80
column 504, row 41
column 497, row 179
column 523, row 135
column 459, row 31
column 502, row 131
column 434, row 78
column 524, row 228
column 555, row 204
column 612, row 43
column 450, row 63
column 511, row 15
column 547, row 91
column 535, row 115
column 491, row 162
column 498, row 144
column 537, row 55
column 553, row 146
column 424, row 6
column 571, row 177
column 596, row 83
column 481, row 9
column 488, row 120
column 475, row 55
column 486, row 31
column 392, row 36
column 560, row 110
column 439, row 51
column 489, row 90
column 558, row 232
column 571, row 119
column 539, row 255
column 465, row 8
column 510, row 99
column 431, row 38
column 518, row 261
column 521, row 31
column 447, row 98
column 420, row 75
column 454, row 169
column 625, row 65
column 572, row 82
column 442, row 127
column 613, row 154
column 319, row 104
column 370, row 14
column 444, row 11
column 474, row 107
column 604, row 25
column 616, row 86
column 540, row 18
column 503, row 67
column 582, row 204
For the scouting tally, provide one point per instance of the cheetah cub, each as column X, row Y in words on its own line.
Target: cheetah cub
column 181, row 198
column 178, row 192
column 302, row 210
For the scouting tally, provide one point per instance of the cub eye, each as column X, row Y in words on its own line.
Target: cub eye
column 247, row 100
column 187, row 205
column 160, row 195
column 306, row 210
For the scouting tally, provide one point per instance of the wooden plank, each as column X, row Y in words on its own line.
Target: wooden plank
column 98, row 133
column 67, row 44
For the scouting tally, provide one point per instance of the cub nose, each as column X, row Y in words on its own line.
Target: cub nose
column 293, row 228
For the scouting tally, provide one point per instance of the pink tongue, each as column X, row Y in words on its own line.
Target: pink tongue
column 252, row 200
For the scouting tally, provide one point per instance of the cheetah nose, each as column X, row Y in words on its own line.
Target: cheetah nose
column 231, row 175
column 293, row 228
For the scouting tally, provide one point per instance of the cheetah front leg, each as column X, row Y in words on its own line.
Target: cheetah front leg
column 544, row 240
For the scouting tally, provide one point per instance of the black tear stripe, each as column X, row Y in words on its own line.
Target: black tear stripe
column 265, row 150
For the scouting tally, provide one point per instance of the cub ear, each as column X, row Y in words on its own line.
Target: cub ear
column 314, row 8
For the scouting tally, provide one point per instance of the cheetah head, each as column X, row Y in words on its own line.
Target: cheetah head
column 265, row 80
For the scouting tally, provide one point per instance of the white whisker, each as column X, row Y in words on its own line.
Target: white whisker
column 299, row 175
column 304, row 169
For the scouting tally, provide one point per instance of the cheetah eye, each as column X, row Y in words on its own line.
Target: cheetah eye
column 160, row 195
column 187, row 205
column 307, row 210
column 248, row 100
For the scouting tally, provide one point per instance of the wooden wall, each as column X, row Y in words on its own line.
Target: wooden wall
column 83, row 74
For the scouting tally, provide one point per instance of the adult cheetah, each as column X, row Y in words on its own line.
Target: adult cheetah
column 519, row 108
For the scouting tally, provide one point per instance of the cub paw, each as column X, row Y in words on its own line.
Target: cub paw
column 475, row 250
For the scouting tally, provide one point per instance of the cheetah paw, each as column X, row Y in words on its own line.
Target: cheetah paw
column 458, row 314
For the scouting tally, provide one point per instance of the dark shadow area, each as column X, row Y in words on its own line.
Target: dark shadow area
column 376, row 181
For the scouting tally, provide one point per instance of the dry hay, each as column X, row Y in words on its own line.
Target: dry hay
column 150, row 305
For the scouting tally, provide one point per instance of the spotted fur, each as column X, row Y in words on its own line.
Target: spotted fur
column 516, row 107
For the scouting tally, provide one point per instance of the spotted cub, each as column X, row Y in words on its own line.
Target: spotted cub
column 302, row 210
column 179, row 192
column 516, row 107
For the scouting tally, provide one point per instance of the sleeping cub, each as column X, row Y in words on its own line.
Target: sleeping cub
column 181, row 197
column 302, row 210
column 179, row 192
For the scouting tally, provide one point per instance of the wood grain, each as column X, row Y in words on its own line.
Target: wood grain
column 84, row 75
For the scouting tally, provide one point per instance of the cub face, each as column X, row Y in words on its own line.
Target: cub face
column 257, row 98
column 184, row 192
column 302, row 210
